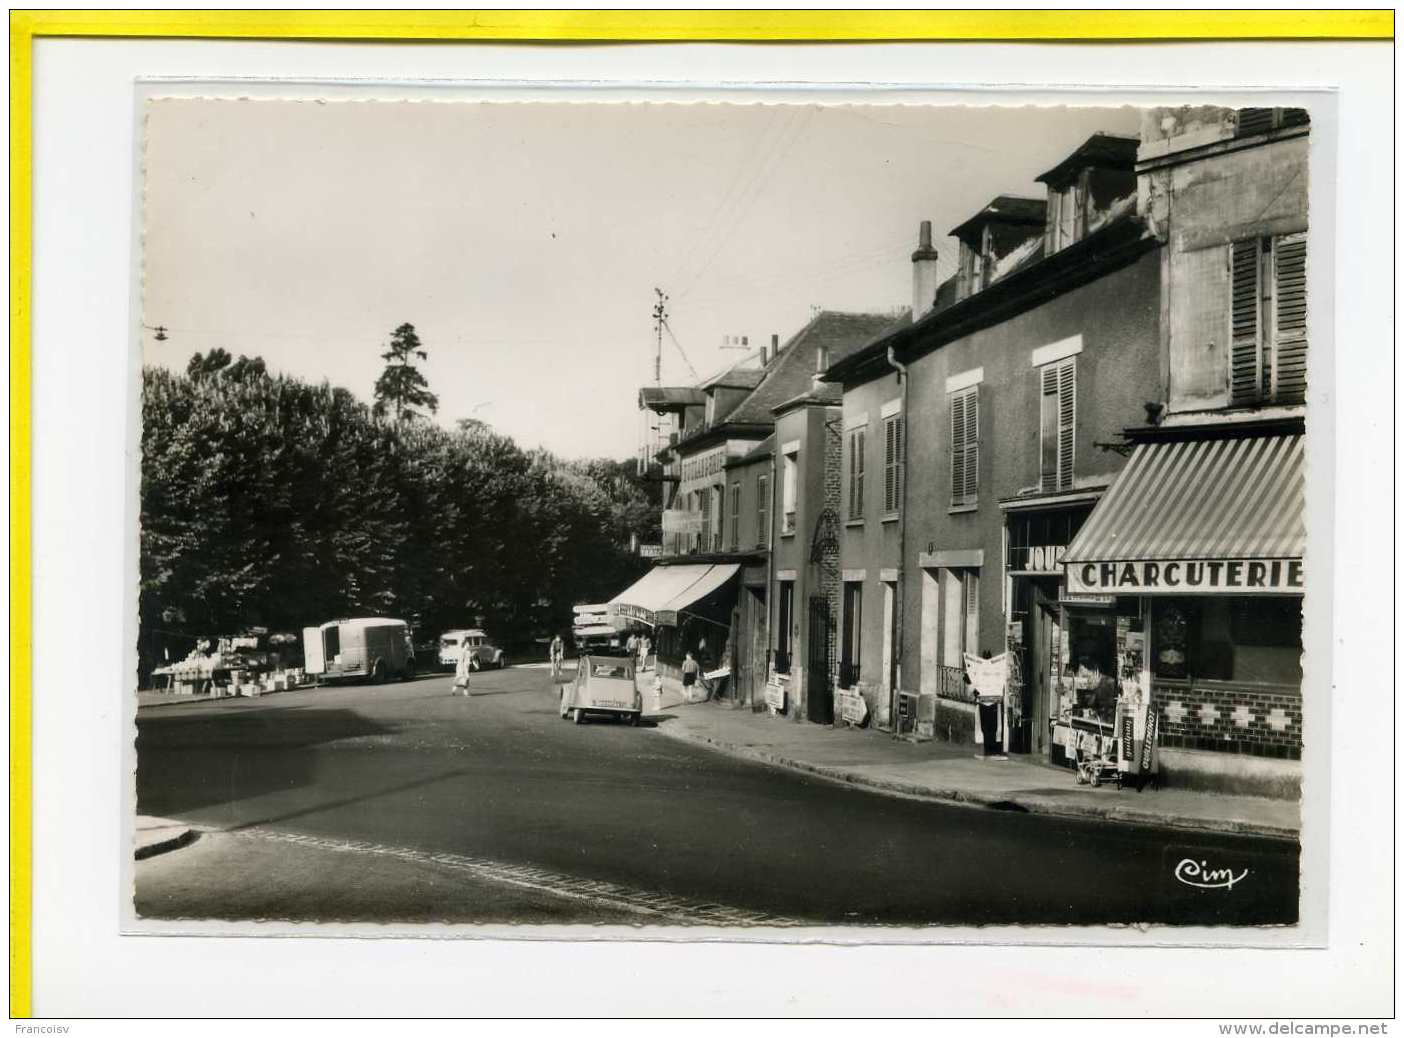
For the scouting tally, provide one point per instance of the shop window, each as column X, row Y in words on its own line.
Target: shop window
column 851, row 650
column 785, row 611
column 1248, row 640
column 1267, row 361
column 965, row 447
column 1090, row 687
column 857, row 463
column 762, row 511
column 893, row 455
column 734, row 516
column 1057, row 421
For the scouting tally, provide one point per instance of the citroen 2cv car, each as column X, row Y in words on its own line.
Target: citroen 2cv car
column 602, row 685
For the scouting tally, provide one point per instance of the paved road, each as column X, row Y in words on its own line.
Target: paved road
column 496, row 793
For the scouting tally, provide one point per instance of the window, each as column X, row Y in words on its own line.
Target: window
column 762, row 511
column 1057, row 413
column 704, row 534
column 1252, row 121
column 893, row 451
column 857, row 450
column 1267, row 362
column 965, row 447
column 960, row 615
column 714, row 530
column 851, row 650
column 1255, row 640
column 790, row 491
column 786, row 612
column 734, row 516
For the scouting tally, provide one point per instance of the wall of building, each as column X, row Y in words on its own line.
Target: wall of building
column 870, row 545
column 1117, row 319
column 1200, row 202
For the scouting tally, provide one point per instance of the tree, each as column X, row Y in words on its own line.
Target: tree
column 401, row 388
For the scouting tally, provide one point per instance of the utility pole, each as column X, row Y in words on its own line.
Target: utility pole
column 660, row 318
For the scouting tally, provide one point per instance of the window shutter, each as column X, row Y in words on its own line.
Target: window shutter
column 852, row 473
column 889, row 449
column 1067, row 416
column 1289, row 318
column 972, row 611
column 862, row 461
column 972, row 445
column 899, row 464
column 1254, row 120
column 762, row 511
column 958, row 449
column 1048, row 427
column 1245, row 366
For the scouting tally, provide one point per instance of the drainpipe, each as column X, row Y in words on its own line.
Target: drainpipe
column 899, row 640
column 770, row 596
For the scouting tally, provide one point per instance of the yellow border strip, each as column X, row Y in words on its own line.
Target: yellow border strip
column 472, row 26
column 703, row 25
column 21, row 562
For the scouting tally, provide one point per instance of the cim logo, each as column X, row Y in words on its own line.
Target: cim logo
column 1199, row 875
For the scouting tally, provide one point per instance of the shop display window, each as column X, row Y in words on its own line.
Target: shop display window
column 1243, row 640
column 1090, row 685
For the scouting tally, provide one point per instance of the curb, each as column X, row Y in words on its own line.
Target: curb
column 1119, row 815
column 171, row 843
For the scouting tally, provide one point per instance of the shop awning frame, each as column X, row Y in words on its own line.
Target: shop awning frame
column 665, row 591
column 1230, row 505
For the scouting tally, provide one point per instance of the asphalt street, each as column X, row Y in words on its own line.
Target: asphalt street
column 405, row 803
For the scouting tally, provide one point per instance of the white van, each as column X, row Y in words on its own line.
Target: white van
column 367, row 647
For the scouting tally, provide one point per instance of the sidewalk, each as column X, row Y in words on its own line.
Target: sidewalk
column 874, row 760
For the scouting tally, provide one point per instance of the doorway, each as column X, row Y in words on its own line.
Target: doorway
column 1045, row 640
column 819, row 689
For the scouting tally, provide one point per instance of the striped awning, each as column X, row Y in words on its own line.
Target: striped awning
column 664, row 591
column 1198, row 512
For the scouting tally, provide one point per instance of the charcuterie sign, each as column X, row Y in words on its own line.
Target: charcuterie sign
column 1187, row 576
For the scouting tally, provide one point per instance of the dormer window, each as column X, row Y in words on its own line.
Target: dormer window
column 1088, row 189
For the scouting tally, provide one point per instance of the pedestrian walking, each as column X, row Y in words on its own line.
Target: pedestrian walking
column 690, row 670
column 632, row 645
column 645, row 650
column 462, row 671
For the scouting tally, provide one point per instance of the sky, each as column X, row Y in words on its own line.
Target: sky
column 524, row 240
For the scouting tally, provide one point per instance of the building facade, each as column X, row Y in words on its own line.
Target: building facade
column 1202, row 538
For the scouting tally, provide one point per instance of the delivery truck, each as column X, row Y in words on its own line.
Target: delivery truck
column 372, row 647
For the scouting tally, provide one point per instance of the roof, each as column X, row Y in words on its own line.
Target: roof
column 764, row 449
column 1004, row 209
column 1104, row 150
column 660, row 398
column 1110, row 247
column 792, row 372
column 737, row 376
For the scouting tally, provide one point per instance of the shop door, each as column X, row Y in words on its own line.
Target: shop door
column 1043, row 635
column 756, row 669
column 820, row 692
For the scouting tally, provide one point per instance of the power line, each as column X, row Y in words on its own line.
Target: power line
column 669, row 329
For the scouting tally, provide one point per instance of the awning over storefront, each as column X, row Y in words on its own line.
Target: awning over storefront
column 661, row 593
column 710, row 581
column 1217, row 516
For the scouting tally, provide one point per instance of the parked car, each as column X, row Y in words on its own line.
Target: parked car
column 372, row 647
column 485, row 654
column 603, row 685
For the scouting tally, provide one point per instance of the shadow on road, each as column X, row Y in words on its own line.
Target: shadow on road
column 189, row 762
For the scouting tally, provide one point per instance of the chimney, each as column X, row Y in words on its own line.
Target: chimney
column 821, row 364
column 924, row 281
column 775, row 344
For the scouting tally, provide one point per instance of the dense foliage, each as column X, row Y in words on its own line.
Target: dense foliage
column 268, row 501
